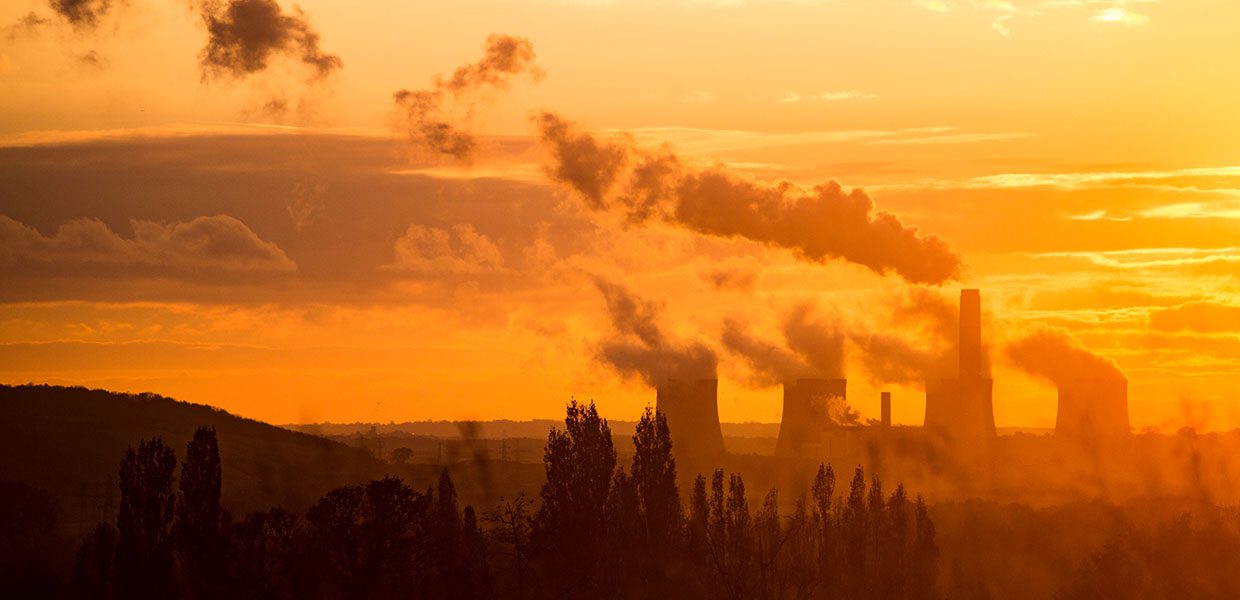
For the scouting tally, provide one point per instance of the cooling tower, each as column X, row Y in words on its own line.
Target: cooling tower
column 807, row 413
column 963, row 408
column 692, row 411
column 1092, row 410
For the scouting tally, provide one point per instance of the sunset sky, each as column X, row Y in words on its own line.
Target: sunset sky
column 260, row 224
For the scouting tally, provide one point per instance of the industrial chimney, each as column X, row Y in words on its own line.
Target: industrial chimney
column 691, row 408
column 807, row 414
column 963, row 408
column 885, row 409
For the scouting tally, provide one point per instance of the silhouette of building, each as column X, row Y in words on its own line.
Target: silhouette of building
column 885, row 409
column 962, row 408
column 1092, row 410
column 807, row 414
column 691, row 408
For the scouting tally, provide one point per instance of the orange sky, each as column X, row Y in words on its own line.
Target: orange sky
column 162, row 229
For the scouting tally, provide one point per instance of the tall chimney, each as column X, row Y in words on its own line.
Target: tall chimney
column 886, row 409
column 970, row 335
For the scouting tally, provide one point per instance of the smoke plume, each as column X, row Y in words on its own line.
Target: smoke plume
column 820, row 342
column 818, row 224
column 437, row 118
column 82, row 14
column 768, row 363
column 1059, row 358
column 245, row 35
column 638, row 346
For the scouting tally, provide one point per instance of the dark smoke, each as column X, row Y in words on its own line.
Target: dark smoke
column 245, row 35
column 27, row 25
column 820, row 224
column 638, row 346
column 819, row 341
column 768, row 363
column 82, row 14
column 437, row 118
column 1060, row 358
column 892, row 359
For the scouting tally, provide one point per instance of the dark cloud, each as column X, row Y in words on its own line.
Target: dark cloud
column 93, row 60
column 83, row 14
column 244, row 36
column 638, row 347
column 1059, row 358
column 437, row 119
column 205, row 245
column 818, row 224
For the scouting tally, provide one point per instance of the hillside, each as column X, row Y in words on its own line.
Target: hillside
column 69, row 442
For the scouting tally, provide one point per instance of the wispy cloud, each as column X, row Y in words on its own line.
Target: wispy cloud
column 835, row 96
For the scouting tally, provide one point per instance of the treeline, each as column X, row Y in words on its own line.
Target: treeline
column 596, row 531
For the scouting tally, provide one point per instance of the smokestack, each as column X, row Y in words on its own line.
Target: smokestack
column 807, row 414
column 963, row 408
column 970, row 335
column 1093, row 410
column 691, row 408
column 886, row 409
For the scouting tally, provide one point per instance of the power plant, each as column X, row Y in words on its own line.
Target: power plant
column 691, row 408
column 807, row 413
column 1092, row 409
column 959, row 410
column 962, row 408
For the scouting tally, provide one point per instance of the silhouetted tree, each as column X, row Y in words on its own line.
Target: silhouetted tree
column 401, row 455
column 201, row 527
column 924, row 566
column 508, row 530
column 94, row 566
column 144, row 525
column 265, row 554
column 368, row 536
column 572, row 523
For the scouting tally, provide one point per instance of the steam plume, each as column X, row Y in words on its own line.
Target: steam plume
column 819, row 224
column 768, row 364
column 1059, row 358
column 638, row 346
column 432, row 122
column 245, row 35
column 82, row 14
column 821, row 343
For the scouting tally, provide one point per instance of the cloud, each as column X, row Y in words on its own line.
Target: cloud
column 1059, row 358
column 437, row 118
column 1204, row 317
column 437, row 251
column 734, row 274
column 1120, row 16
column 82, row 14
column 244, row 36
column 836, row 96
column 817, row 225
column 216, row 245
column 638, row 347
